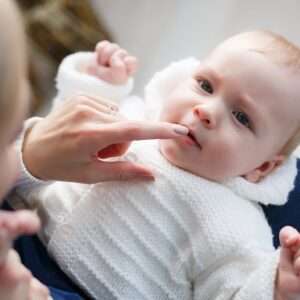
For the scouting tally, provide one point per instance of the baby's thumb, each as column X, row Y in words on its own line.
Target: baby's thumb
column 288, row 236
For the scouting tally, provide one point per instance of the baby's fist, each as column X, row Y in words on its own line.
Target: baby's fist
column 288, row 280
column 112, row 63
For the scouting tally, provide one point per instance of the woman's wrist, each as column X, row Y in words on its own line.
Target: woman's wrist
column 28, row 175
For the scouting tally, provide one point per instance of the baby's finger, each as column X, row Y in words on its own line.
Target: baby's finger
column 117, row 59
column 121, row 53
column 106, row 54
column 288, row 236
column 118, row 66
column 131, row 64
column 297, row 262
column 99, row 48
column 100, row 45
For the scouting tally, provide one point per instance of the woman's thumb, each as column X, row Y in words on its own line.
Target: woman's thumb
column 122, row 170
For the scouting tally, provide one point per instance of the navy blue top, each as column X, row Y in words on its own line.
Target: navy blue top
column 288, row 214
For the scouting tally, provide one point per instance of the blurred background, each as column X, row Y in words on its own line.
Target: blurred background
column 157, row 31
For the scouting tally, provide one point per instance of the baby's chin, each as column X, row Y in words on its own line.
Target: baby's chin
column 169, row 152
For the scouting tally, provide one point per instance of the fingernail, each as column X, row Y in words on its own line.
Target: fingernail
column 146, row 175
column 180, row 130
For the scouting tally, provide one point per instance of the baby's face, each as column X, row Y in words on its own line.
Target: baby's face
column 240, row 108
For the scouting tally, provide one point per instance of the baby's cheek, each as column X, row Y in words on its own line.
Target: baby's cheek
column 166, row 148
column 235, row 162
column 224, row 159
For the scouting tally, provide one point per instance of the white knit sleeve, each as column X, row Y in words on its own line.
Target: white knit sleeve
column 72, row 81
column 26, row 181
column 241, row 277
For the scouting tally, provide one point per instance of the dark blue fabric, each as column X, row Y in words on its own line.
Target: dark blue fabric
column 57, row 294
column 35, row 257
column 288, row 214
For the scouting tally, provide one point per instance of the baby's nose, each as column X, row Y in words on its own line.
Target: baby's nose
column 205, row 116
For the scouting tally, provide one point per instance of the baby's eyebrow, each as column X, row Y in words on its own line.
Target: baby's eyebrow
column 211, row 73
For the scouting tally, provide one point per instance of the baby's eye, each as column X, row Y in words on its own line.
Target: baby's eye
column 206, row 86
column 242, row 118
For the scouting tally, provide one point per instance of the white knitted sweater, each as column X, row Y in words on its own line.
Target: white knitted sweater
column 179, row 237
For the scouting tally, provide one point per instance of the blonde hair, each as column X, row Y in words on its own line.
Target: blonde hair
column 284, row 52
column 280, row 51
column 12, row 60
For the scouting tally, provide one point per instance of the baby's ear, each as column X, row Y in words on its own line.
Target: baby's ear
column 264, row 169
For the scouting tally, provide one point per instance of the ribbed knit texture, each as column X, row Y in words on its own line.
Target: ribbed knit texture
column 179, row 237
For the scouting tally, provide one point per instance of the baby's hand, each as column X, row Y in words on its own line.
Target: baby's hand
column 288, row 280
column 112, row 63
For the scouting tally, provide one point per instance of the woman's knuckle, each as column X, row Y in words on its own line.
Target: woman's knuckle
column 121, row 176
column 132, row 130
column 80, row 98
column 83, row 112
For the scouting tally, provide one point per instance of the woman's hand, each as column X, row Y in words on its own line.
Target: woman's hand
column 14, row 224
column 65, row 145
column 16, row 282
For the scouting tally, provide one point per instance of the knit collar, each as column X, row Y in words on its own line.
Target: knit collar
column 274, row 189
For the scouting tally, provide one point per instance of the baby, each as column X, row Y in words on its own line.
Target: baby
column 198, row 230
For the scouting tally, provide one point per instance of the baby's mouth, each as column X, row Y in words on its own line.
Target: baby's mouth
column 193, row 138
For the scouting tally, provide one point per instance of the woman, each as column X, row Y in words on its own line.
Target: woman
column 63, row 146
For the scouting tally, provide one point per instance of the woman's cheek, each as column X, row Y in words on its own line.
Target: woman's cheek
column 9, row 171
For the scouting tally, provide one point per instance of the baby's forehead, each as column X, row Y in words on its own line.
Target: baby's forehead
column 251, row 71
column 226, row 61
